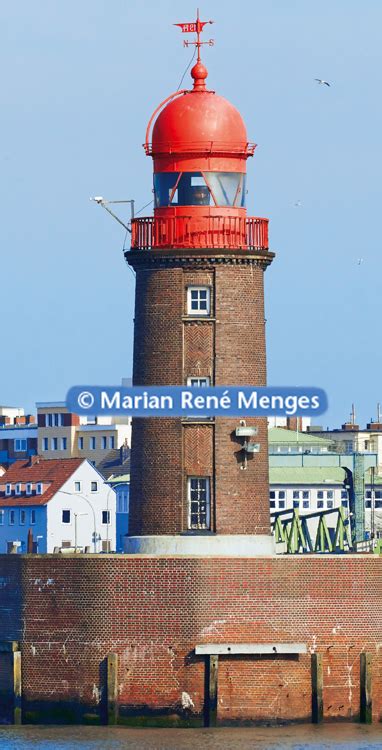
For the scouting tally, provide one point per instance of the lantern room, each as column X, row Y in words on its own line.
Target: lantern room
column 199, row 146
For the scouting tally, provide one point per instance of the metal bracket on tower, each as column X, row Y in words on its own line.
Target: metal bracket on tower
column 249, row 447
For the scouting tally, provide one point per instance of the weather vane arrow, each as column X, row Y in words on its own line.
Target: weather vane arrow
column 195, row 27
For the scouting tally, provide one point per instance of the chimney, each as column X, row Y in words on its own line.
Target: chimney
column 374, row 426
column 33, row 460
column 350, row 427
column 294, row 423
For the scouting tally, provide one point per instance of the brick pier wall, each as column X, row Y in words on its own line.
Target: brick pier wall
column 70, row 613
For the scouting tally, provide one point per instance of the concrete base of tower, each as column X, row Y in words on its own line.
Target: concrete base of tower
column 235, row 545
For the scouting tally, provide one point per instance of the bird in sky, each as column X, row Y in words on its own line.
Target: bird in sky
column 297, row 204
column 321, row 80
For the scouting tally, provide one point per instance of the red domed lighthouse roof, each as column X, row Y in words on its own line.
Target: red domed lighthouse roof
column 199, row 120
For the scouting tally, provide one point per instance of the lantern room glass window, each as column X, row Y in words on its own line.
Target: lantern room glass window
column 199, row 189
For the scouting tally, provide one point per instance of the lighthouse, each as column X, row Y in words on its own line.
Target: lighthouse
column 199, row 486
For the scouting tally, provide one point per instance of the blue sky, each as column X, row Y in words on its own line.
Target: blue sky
column 79, row 82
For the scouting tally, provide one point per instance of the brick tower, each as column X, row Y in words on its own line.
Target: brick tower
column 199, row 486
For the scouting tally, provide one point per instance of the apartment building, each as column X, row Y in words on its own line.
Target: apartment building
column 104, row 441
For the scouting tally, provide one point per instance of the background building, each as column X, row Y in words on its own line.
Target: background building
column 104, row 441
column 60, row 504
column 18, row 435
column 121, row 485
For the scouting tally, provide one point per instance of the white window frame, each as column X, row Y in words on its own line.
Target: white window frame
column 29, row 488
column 39, row 488
column 52, row 444
column 207, row 525
column 103, row 442
column 199, row 312
column 80, row 443
column 92, row 443
column 8, row 489
column 91, row 486
column 19, row 441
column 18, row 488
column 64, row 443
column 45, row 444
column 33, row 517
column 22, row 510
column 12, row 514
column 77, row 489
column 111, row 442
column 199, row 382
column 2, row 515
column 122, row 502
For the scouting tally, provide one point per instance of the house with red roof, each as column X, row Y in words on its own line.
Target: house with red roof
column 57, row 504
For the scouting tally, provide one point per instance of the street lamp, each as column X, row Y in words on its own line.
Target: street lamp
column 75, row 528
column 72, row 494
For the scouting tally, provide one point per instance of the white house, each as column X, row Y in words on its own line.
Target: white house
column 56, row 504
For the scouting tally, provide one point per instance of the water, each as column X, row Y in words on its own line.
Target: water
column 339, row 737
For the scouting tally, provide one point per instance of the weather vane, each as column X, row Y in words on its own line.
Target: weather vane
column 196, row 27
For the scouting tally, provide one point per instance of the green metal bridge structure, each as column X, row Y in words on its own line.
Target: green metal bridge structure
column 335, row 530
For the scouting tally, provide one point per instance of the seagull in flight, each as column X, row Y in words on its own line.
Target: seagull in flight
column 321, row 80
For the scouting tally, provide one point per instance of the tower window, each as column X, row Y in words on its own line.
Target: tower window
column 198, row 382
column 198, row 300
column 198, row 492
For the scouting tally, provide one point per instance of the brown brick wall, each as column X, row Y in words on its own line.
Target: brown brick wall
column 168, row 349
column 198, row 350
column 70, row 613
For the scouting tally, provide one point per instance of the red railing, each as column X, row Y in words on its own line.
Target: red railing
column 225, row 232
